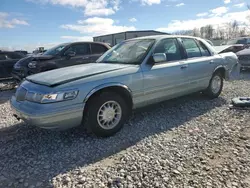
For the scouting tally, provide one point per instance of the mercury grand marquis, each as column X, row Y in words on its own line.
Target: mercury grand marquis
column 132, row 74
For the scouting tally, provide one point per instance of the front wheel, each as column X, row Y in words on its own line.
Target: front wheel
column 105, row 114
column 215, row 86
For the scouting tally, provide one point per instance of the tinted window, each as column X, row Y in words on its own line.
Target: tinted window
column 203, row 48
column 98, row 49
column 14, row 56
column 170, row 48
column 191, row 48
column 2, row 57
column 80, row 49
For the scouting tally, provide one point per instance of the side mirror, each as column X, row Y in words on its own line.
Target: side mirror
column 159, row 57
column 70, row 54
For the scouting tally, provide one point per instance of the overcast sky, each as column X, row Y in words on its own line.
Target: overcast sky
column 26, row 24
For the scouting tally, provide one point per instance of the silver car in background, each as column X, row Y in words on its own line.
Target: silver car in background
column 132, row 74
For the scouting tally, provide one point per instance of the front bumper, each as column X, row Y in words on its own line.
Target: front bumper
column 245, row 64
column 50, row 117
column 19, row 74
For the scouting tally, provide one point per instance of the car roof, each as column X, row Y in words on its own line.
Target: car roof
column 91, row 42
column 4, row 51
column 159, row 37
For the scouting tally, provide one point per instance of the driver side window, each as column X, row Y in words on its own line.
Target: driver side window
column 79, row 49
column 170, row 48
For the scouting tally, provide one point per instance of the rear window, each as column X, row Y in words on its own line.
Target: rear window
column 204, row 49
column 98, row 49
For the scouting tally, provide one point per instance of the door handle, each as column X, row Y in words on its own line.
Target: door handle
column 211, row 62
column 184, row 66
column 85, row 58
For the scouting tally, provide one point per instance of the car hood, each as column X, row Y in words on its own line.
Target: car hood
column 26, row 60
column 232, row 48
column 68, row 74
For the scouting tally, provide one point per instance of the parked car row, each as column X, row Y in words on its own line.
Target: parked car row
column 132, row 74
column 63, row 55
column 7, row 61
column 19, row 66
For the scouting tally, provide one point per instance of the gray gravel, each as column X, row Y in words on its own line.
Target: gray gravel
column 186, row 142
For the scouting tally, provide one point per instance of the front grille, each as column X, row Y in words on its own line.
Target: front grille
column 244, row 57
column 20, row 94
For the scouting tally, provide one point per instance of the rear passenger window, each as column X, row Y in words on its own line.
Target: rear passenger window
column 191, row 48
column 203, row 48
column 170, row 48
column 98, row 49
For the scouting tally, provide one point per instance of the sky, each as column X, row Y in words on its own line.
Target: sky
column 27, row 24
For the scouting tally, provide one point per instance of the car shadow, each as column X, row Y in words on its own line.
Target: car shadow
column 40, row 155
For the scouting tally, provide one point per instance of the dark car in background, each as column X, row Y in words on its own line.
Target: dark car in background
column 63, row 55
column 7, row 61
column 244, row 58
column 241, row 47
column 242, row 40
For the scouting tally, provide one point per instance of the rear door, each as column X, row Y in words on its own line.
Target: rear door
column 200, row 63
column 97, row 50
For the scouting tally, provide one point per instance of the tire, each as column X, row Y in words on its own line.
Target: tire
column 98, row 112
column 212, row 91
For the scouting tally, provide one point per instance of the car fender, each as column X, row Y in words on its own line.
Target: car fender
column 222, row 67
column 107, row 85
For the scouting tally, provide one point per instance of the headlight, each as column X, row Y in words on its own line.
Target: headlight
column 32, row 65
column 52, row 97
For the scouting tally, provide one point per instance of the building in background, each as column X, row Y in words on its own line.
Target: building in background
column 116, row 38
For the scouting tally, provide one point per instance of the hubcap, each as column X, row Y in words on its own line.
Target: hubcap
column 109, row 115
column 216, row 84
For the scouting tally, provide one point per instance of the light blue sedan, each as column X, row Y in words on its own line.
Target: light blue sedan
column 132, row 74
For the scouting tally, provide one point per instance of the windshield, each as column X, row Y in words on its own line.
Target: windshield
column 129, row 52
column 55, row 50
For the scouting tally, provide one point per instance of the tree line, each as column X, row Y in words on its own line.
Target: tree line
column 222, row 32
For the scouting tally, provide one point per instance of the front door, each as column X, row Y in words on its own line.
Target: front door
column 82, row 56
column 166, row 79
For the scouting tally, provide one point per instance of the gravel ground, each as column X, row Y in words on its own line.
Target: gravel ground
column 186, row 142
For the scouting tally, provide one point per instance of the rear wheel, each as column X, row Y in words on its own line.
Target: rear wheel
column 215, row 86
column 105, row 114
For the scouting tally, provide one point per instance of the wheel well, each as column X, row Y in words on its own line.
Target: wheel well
column 222, row 71
column 117, row 89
